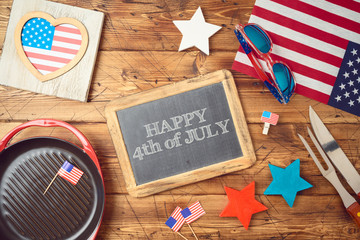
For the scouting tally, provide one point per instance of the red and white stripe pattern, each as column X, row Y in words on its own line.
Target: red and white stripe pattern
column 310, row 36
column 70, row 173
column 179, row 219
column 269, row 117
column 196, row 211
column 65, row 45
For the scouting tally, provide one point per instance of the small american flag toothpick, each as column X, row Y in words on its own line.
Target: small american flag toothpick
column 176, row 221
column 191, row 213
column 269, row 118
column 69, row 172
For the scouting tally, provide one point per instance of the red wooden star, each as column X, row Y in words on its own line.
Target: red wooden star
column 242, row 204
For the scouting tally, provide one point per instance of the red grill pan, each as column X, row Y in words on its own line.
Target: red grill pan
column 66, row 211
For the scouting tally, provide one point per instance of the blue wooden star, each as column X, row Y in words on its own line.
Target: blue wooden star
column 287, row 182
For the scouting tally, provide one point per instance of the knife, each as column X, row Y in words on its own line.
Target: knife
column 351, row 205
column 334, row 152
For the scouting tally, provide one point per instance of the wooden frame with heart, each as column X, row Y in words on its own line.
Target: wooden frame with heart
column 54, row 22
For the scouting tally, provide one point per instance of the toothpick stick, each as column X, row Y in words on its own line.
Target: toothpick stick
column 182, row 236
column 50, row 184
column 266, row 128
column 192, row 230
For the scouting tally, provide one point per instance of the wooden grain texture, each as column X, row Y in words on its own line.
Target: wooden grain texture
column 74, row 84
column 147, row 25
column 138, row 51
column 317, row 212
column 122, row 73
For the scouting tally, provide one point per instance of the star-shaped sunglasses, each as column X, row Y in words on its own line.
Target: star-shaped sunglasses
column 281, row 82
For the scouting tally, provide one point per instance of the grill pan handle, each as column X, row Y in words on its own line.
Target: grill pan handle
column 87, row 148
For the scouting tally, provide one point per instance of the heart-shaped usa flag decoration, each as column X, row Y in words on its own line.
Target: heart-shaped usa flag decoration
column 50, row 47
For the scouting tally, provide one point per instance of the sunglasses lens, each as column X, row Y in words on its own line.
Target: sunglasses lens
column 258, row 37
column 284, row 79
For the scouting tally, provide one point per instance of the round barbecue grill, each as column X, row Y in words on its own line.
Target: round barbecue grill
column 66, row 211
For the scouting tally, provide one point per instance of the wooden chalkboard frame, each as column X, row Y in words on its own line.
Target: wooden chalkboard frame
column 242, row 132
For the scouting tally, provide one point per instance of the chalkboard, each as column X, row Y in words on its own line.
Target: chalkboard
column 181, row 133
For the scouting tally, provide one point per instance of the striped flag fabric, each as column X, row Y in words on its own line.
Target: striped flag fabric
column 192, row 212
column 320, row 41
column 70, row 173
column 176, row 220
column 269, row 117
column 47, row 47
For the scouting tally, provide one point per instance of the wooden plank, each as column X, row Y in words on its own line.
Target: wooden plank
column 17, row 105
column 126, row 217
column 74, row 84
column 274, row 148
column 125, row 73
column 128, row 24
column 5, row 8
column 139, row 52
column 260, row 173
column 317, row 213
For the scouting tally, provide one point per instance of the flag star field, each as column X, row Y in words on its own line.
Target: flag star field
column 48, row 47
column 346, row 91
column 38, row 32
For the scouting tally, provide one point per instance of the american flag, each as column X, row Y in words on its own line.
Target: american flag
column 269, row 117
column 176, row 220
column 47, row 47
column 70, row 173
column 193, row 212
column 319, row 40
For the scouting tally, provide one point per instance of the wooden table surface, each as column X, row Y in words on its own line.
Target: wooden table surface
column 138, row 51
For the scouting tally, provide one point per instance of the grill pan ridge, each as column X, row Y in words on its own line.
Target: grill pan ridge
column 66, row 211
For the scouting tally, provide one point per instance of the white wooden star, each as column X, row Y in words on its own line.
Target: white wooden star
column 196, row 32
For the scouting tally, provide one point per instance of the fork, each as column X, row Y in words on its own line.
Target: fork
column 351, row 205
